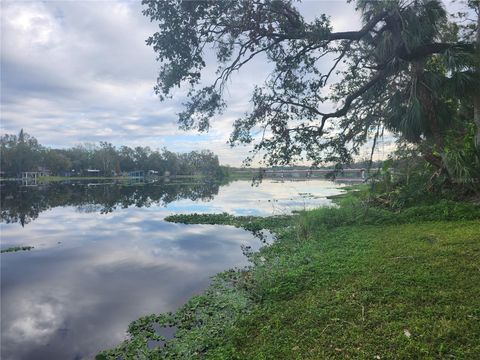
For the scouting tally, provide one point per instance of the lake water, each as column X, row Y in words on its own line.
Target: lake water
column 103, row 255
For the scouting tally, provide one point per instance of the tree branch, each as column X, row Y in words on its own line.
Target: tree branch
column 430, row 49
column 357, row 35
column 380, row 75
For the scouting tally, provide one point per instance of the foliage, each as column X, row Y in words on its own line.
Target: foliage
column 462, row 157
column 409, row 69
column 407, row 179
column 19, row 153
column 255, row 224
column 352, row 212
column 24, row 153
column 56, row 161
column 16, row 248
column 250, row 223
column 337, row 282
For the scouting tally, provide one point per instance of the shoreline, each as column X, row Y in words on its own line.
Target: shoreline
column 345, row 281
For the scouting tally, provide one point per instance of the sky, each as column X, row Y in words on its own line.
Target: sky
column 80, row 71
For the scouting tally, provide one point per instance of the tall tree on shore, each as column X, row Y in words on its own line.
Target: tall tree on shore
column 20, row 153
column 397, row 72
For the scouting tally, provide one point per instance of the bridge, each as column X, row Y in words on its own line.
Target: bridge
column 360, row 173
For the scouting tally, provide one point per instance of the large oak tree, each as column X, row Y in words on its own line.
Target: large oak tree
column 408, row 69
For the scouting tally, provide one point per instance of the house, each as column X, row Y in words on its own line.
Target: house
column 93, row 172
column 136, row 174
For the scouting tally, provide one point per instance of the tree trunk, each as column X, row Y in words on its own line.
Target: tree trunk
column 428, row 108
column 428, row 105
column 434, row 160
column 427, row 102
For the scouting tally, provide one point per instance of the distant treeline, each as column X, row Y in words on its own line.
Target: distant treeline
column 21, row 153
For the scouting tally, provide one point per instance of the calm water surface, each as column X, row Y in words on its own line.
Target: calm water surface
column 103, row 255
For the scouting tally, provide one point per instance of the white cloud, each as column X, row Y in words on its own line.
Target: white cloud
column 81, row 71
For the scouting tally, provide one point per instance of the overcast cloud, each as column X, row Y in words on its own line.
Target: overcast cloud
column 80, row 71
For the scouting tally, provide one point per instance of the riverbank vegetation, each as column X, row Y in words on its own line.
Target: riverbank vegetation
column 23, row 153
column 353, row 281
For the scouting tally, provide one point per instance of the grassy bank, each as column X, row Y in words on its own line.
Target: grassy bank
column 347, row 282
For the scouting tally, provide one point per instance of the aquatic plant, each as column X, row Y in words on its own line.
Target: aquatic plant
column 16, row 248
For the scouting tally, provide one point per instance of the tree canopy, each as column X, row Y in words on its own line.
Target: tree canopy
column 410, row 69
column 24, row 153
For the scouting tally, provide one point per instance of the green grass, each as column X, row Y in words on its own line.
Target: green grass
column 16, row 248
column 355, row 291
column 348, row 282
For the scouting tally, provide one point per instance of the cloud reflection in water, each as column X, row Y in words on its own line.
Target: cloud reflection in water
column 91, row 274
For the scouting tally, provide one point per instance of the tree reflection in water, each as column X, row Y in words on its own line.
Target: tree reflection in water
column 23, row 204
